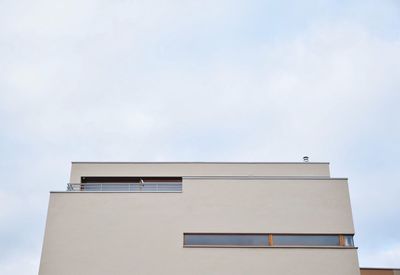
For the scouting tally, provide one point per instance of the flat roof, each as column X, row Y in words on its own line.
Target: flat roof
column 192, row 162
column 196, row 169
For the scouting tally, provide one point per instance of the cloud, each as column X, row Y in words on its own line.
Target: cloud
column 22, row 264
column 388, row 256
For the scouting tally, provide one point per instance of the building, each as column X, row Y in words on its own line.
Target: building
column 379, row 271
column 200, row 218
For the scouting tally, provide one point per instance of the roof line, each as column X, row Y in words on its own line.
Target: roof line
column 262, row 178
column 189, row 162
column 253, row 178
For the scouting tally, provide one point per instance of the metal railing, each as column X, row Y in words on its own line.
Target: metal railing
column 125, row 187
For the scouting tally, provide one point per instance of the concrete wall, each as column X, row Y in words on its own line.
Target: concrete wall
column 142, row 233
column 197, row 169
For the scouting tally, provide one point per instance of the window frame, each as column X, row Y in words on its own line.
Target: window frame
column 270, row 240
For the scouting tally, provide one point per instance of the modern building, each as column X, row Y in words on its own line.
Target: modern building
column 200, row 218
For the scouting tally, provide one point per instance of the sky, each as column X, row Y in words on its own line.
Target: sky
column 210, row 80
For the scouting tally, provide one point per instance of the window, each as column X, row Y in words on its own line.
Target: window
column 226, row 239
column 306, row 240
column 267, row 240
column 347, row 240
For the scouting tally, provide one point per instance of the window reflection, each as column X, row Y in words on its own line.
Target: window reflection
column 348, row 240
column 227, row 239
column 306, row 240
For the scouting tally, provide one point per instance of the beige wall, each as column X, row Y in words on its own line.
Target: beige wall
column 197, row 169
column 274, row 206
column 142, row 233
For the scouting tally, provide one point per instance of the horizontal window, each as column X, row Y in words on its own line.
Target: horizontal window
column 306, row 240
column 125, row 187
column 130, row 179
column 226, row 239
column 267, row 240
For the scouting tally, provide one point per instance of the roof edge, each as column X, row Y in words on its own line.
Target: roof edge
column 189, row 162
column 263, row 178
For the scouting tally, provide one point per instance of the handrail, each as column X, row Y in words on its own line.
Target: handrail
column 125, row 187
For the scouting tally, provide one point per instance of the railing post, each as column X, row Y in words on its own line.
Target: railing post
column 129, row 187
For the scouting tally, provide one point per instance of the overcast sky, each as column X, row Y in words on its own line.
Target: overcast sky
column 209, row 80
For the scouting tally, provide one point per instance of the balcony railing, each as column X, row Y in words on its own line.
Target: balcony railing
column 125, row 187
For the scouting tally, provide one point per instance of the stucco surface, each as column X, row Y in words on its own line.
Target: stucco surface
column 142, row 233
column 197, row 169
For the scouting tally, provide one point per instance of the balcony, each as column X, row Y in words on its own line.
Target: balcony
column 153, row 187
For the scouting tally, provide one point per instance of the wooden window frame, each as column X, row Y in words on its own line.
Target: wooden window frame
column 270, row 241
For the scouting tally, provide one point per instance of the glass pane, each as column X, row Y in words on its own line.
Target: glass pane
column 90, row 187
column 115, row 187
column 226, row 239
column 124, row 187
column 348, row 240
column 307, row 240
column 149, row 187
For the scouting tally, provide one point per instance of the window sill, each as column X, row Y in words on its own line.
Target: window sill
column 276, row 246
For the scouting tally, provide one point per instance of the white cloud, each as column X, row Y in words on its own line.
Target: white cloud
column 156, row 80
column 385, row 257
column 23, row 264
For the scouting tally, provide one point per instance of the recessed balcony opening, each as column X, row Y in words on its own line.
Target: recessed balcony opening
column 129, row 179
column 127, row 184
